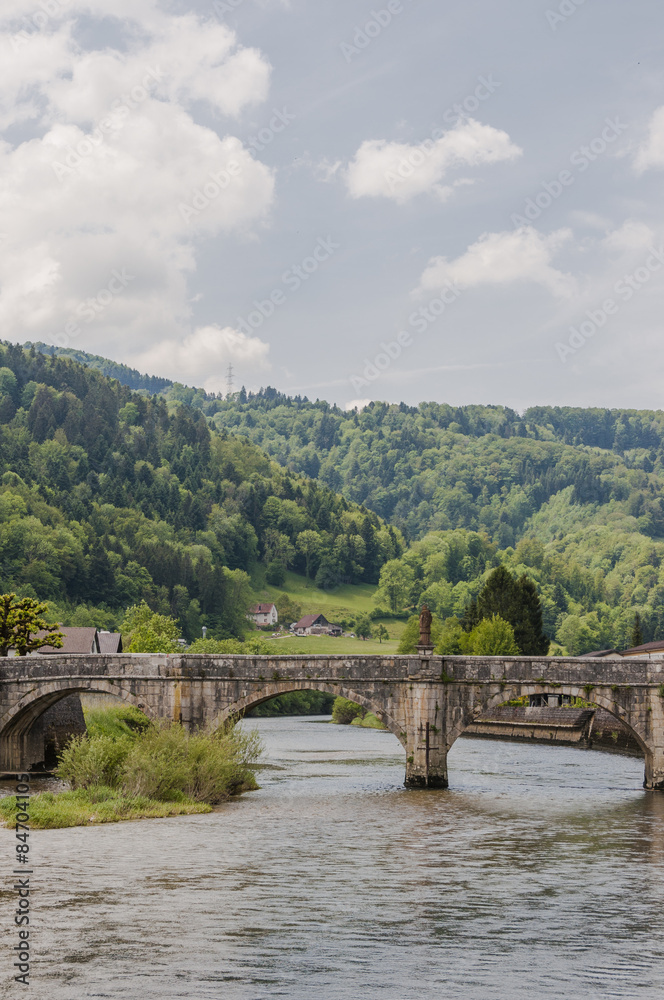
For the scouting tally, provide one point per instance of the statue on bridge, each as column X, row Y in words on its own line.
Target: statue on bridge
column 425, row 626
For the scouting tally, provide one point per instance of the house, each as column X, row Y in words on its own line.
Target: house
column 648, row 651
column 110, row 642
column 75, row 640
column 316, row 625
column 264, row 614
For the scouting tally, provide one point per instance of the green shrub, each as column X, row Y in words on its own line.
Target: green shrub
column 116, row 721
column 161, row 761
column 344, row 711
column 369, row 721
column 167, row 761
column 93, row 760
column 492, row 637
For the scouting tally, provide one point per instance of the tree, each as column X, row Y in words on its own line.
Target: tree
column 289, row 611
column 382, row 633
column 275, row 574
column 396, row 580
column 452, row 636
column 492, row 637
column 516, row 602
column 309, row 544
column 21, row 623
column 637, row 634
column 150, row 632
column 363, row 627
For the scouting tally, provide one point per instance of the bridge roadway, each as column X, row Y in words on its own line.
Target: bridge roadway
column 426, row 701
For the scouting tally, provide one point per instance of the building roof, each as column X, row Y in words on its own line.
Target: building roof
column 110, row 642
column 310, row 620
column 261, row 609
column 647, row 647
column 598, row 653
column 76, row 640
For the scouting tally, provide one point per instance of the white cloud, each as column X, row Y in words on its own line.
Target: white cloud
column 121, row 176
column 202, row 357
column 523, row 255
column 632, row 235
column 357, row 404
column 651, row 152
column 400, row 171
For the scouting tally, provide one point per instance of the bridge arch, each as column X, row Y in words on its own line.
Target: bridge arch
column 273, row 689
column 513, row 691
column 16, row 724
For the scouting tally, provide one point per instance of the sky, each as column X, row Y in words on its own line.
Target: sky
column 408, row 200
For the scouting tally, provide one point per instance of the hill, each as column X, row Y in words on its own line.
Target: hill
column 108, row 497
column 586, row 485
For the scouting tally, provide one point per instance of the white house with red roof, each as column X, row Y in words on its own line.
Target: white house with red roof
column 264, row 614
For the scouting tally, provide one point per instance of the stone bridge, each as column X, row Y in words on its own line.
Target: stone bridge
column 426, row 701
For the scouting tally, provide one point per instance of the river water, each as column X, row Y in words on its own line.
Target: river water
column 538, row 874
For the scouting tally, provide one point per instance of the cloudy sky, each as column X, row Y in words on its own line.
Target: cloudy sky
column 398, row 199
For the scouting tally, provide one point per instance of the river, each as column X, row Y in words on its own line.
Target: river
column 538, row 874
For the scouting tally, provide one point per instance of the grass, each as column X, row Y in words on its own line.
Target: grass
column 127, row 767
column 370, row 721
column 328, row 645
column 90, row 806
column 346, row 600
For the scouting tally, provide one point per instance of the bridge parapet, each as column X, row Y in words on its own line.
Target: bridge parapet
column 426, row 701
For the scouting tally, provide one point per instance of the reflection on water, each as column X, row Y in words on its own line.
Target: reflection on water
column 538, row 874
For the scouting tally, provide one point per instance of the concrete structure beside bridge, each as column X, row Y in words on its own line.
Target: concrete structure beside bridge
column 426, row 701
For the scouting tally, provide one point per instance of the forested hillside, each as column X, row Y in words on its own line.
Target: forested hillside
column 572, row 497
column 108, row 497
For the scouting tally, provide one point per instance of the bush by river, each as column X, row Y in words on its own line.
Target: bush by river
column 128, row 767
column 348, row 713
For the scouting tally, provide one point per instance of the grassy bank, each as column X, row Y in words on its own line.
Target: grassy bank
column 348, row 713
column 89, row 806
column 369, row 721
column 128, row 767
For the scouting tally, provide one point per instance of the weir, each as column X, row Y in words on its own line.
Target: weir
column 427, row 701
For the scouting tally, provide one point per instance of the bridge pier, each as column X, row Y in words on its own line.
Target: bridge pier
column 654, row 776
column 426, row 759
column 426, row 745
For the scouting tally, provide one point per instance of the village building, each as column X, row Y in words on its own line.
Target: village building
column 264, row 614
column 648, row 651
column 316, row 625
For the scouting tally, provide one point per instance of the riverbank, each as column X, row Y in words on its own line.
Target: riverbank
column 91, row 806
column 127, row 767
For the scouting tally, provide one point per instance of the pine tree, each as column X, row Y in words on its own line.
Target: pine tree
column 516, row 602
column 637, row 634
